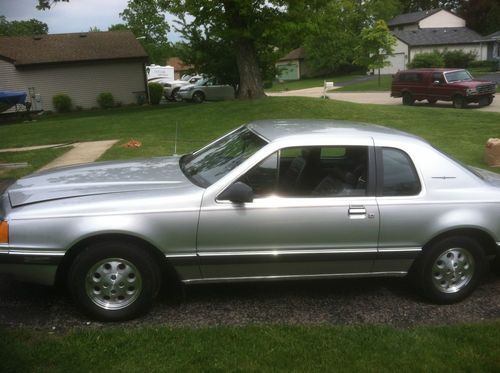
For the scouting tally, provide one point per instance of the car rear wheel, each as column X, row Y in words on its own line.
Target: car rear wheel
column 459, row 102
column 450, row 269
column 114, row 281
column 198, row 97
column 408, row 99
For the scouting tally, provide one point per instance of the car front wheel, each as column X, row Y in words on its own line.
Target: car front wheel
column 198, row 97
column 450, row 269
column 114, row 281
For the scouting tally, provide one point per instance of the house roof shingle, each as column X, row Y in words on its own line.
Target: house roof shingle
column 404, row 19
column 495, row 35
column 438, row 36
column 296, row 54
column 74, row 47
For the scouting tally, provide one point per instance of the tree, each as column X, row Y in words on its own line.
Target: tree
column 94, row 29
column 146, row 19
column 482, row 16
column 118, row 27
column 22, row 28
column 376, row 44
column 244, row 26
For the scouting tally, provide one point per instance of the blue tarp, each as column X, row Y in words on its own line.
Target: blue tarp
column 12, row 98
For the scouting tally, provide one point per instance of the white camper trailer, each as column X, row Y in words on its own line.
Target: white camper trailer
column 155, row 72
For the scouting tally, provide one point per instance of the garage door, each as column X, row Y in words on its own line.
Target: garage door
column 397, row 63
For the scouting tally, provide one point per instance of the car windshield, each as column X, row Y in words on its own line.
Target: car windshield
column 186, row 78
column 201, row 82
column 211, row 163
column 458, row 76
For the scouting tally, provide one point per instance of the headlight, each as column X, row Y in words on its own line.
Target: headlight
column 471, row 91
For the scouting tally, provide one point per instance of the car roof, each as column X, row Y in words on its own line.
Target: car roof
column 279, row 129
column 431, row 70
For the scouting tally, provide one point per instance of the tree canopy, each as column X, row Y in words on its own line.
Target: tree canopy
column 22, row 28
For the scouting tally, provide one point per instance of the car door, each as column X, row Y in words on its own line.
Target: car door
column 437, row 87
column 399, row 196
column 322, row 228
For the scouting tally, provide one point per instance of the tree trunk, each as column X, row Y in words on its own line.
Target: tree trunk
column 248, row 68
column 246, row 55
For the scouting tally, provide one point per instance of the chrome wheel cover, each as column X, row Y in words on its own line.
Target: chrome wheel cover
column 453, row 270
column 113, row 283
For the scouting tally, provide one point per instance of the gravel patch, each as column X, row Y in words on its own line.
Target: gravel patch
column 389, row 301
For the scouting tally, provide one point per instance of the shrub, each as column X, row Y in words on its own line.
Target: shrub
column 458, row 58
column 105, row 100
column 155, row 93
column 489, row 65
column 432, row 59
column 62, row 103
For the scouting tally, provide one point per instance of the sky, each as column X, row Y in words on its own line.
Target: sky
column 75, row 16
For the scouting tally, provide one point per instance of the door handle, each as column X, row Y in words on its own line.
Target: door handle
column 357, row 210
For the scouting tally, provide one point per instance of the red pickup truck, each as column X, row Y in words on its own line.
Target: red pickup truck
column 456, row 85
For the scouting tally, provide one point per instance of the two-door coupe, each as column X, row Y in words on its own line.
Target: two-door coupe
column 283, row 199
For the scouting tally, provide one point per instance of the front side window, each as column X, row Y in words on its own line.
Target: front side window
column 210, row 164
column 331, row 171
column 399, row 177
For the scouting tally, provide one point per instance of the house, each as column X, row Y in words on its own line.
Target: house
column 425, row 31
column 180, row 68
column 81, row 65
column 294, row 66
column 493, row 42
column 291, row 66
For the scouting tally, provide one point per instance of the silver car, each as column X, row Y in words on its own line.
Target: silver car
column 285, row 199
column 206, row 89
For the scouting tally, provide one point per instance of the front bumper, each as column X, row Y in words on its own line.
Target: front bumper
column 28, row 264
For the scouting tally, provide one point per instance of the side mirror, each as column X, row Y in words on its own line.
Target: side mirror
column 437, row 82
column 238, row 192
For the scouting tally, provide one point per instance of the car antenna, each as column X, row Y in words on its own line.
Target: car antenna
column 175, row 139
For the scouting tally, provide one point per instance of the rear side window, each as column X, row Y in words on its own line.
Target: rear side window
column 410, row 77
column 399, row 177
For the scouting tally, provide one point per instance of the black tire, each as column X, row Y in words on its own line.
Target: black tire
column 408, row 99
column 431, row 278
column 459, row 102
column 198, row 97
column 431, row 101
column 486, row 101
column 136, row 280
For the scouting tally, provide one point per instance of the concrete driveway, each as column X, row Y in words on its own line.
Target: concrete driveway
column 380, row 98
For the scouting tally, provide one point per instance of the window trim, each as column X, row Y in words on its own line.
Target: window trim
column 380, row 172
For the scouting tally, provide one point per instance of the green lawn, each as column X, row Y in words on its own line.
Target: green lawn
column 461, row 133
column 371, row 85
column 464, row 348
column 309, row 83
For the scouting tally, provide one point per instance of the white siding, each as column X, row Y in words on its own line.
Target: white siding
column 82, row 82
column 479, row 49
column 399, row 60
column 442, row 19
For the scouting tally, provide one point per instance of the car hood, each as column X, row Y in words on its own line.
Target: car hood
column 187, row 87
column 98, row 178
column 472, row 83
